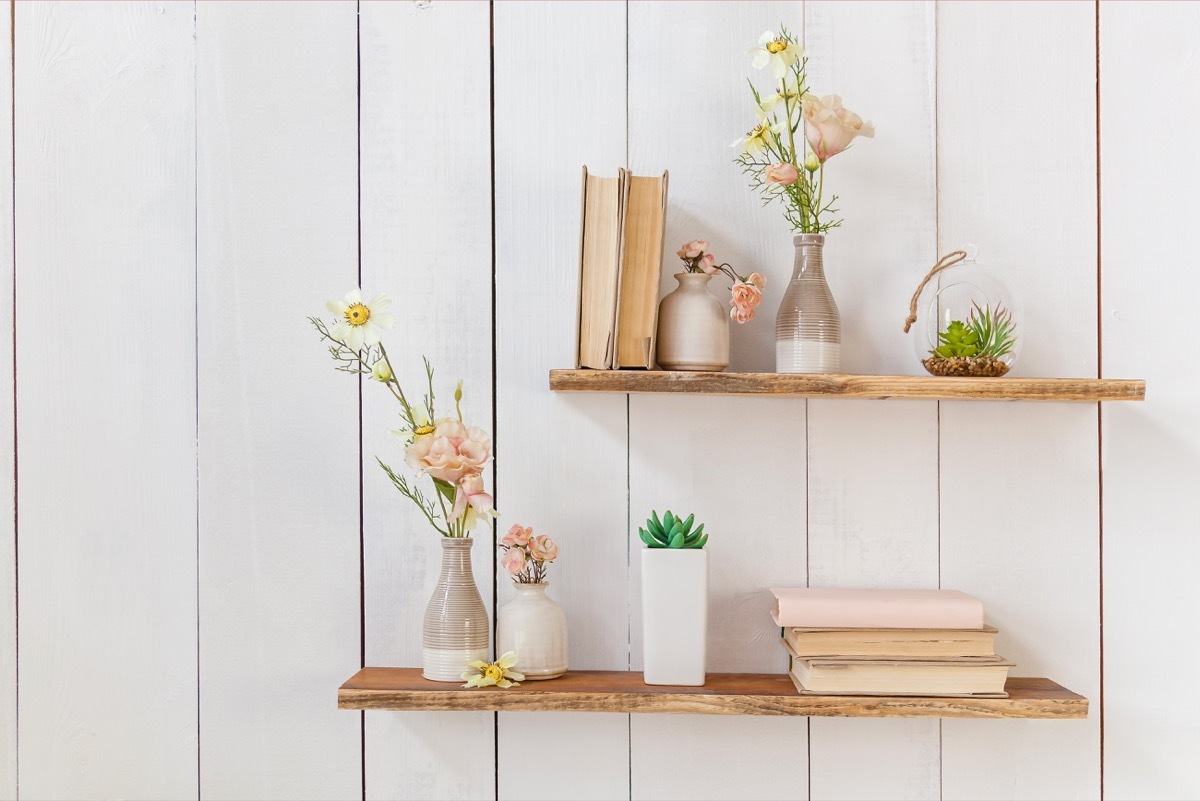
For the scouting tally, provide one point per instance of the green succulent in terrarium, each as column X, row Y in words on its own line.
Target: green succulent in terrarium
column 672, row 532
column 974, row 347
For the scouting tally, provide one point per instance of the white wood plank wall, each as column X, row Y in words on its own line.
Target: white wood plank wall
column 202, row 547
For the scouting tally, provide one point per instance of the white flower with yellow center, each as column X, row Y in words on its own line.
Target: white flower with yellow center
column 777, row 51
column 790, row 93
column 359, row 323
column 424, row 427
column 493, row 674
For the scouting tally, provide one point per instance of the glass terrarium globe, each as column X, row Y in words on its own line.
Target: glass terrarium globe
column 968, row 323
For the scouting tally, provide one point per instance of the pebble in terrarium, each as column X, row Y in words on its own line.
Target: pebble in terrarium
column 969, row 321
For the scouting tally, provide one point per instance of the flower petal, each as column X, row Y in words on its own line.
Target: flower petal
column 512, row 674
column 761, row 57
column 337, row 307
column 354, row 296
column 508, row 660
column 382, row 320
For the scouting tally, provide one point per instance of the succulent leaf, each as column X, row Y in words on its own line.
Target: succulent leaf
column 676, row 540
column 672, row 531
column 687, row 524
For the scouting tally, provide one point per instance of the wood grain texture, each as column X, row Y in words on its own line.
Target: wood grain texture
column 684, row 111
column 105, row 189
column 1019, row 484
column 878, row 387
column 722, row 694
column 561, row 461
column 1151, row 453
column 872, row 468
column 8, row 461
column 426, row 241
column 278, row 427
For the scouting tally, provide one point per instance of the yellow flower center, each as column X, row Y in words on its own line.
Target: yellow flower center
column 494, row 672
column 425, row 430
column 358, row 314
column 777, row 46
column 758, row 131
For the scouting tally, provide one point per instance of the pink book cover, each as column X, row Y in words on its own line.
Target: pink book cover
column 802, row 607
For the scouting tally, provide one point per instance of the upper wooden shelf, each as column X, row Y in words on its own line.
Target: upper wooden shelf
column 794, row 385
column 722, row 694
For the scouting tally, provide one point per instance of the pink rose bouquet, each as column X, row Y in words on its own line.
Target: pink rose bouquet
column 525, row 556
column 451, row 454
column 746, row 290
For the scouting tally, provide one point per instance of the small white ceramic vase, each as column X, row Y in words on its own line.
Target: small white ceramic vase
column 693, row 327
column 674, row 615
column 535, row 628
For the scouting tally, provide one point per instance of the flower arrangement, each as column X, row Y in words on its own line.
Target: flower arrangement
column 525, row 556
column 746, row 291
column 778, row 167
column 672, row 532
column 493, row 674
column 451, row 454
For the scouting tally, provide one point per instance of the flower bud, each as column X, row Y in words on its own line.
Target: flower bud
column 458, row 393
column 812, row 163
column 381, row 372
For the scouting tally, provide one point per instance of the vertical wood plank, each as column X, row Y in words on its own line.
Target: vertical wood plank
column 872, row 468
column 105, row 189
column 1019, row 482
column 561, row 460
column 426, row 240
column 686, row 453
column 1148, row 176
column 8, row 463
column 278, row 427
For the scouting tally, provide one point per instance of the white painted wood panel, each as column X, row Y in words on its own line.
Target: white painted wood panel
column 872, row 468
column 1151, row 451
column 426, row 241
column 561, row 459
column 278, row 427
column 715, row 456
column 8, row 462
column 1019, row 482
column 105, row 188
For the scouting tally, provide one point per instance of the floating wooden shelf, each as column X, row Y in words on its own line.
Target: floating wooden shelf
column 723, row 694
column 879, row 387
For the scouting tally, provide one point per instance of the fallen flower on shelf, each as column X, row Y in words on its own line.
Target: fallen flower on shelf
column 497, row 674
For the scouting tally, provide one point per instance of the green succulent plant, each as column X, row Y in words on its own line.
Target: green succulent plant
column 672, row 532
column 985, row 333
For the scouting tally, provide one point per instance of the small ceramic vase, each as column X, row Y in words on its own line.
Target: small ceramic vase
column 693, row 327
column 535, row 628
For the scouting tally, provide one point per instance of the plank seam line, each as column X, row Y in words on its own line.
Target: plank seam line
column 937, row 245
column 495, row 376
column 12, row 34
column 362, row 568
column 196, row 346
column 1099, row 406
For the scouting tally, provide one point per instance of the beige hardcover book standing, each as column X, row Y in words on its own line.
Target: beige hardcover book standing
column 645, row 211
column 599, row 269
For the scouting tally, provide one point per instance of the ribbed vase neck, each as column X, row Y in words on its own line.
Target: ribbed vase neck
column 538, row 588
column 810, row 259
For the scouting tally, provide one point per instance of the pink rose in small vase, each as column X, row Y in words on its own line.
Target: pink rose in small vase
column 513, row 560
column 708, row 264
column 517, row 536
column 692, row 249
column 746, row 296
column 543, row 548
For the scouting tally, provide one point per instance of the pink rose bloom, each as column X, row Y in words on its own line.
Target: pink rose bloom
column 708, row 263
column 543, row 548
column 517, row 536
column 513, row 560
column 451, row 452
column 783, row 174
column 692, row 249
column 757, row 280
column 745, row 298
column 829, row 126
column 470, row 492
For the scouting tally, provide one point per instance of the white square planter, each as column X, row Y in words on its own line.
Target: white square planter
column 674, row 615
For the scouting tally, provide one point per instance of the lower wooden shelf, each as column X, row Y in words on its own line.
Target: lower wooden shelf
column 723, row 694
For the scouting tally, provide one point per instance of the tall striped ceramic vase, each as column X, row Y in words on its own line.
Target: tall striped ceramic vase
column 808, row 328
column 456, row 623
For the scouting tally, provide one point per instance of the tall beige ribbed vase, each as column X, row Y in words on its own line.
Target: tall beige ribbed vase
column 456, row 623
column 808, row 328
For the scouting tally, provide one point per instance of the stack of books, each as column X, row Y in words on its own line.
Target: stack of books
column 620, row 267
column 889, row 642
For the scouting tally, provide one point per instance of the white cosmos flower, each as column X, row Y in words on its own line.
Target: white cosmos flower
column 777, row 51
column 758, row 138
column 359, row 323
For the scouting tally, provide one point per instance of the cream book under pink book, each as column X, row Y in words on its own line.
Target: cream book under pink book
column 880, row 609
